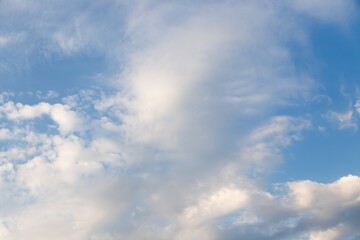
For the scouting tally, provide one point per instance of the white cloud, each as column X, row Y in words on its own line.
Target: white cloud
column 223, row 201
column 326, row 199
column 357, row 106
column 183, row 78
column 11, row 39
column 345, row 120
column 310, row 210
column 4, row 40
column 335, row 205
column 335, row 233
column 5, row 134
column 336, row 11
column 20, row 111
column 262, row 148
column 66, row 119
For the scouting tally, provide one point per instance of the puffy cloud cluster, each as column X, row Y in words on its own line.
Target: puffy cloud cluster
column 66, row 119
column 308, row 210
column 333, row 208
column 181, row 146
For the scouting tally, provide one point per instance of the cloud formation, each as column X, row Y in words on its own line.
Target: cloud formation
column 182, row 144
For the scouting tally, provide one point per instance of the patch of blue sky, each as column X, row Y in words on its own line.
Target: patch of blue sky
column 62, row 74
column 327, row 151
column 320, row 156
column 338, row 53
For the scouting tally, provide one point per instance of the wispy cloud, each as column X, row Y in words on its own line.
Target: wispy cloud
column 345, row 120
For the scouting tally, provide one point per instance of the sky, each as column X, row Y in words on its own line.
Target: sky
column 179, row 120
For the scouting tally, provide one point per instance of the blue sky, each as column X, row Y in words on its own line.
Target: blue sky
column 325, row 156
column 153, row 119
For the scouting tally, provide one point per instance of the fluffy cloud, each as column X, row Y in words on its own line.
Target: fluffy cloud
column 184, row 90
column 66, row 119
column 333, row 207
column 309, row 210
